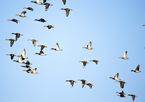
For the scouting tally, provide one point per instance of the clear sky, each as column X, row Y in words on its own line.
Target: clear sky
column 113, row 27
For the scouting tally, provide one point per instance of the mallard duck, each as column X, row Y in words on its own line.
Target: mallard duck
column 96, row 61
column 41, row 53
column 22, row 14
column 12, row 56
column 28, row 63
column 14, row 20
column 121, row 83
column 33, row 41
column 67, row 11
column 47, row 6
column 71, row 82
column 11, row 42
column 64, row 1
column 40, row 20
column 34, row 71
column 89, row 47
column 124, row 56
column 37, row 2
column 90, row 85
column 17, row 35
column 116, row 77
column 84, row 63
column 49, row 26
column 28, row 71
column 19, row 60
column 42, row 46
column 121, row 94
column 137, row 69
column 27, row 66
column 57, row 48
column 23, row 55
column 83, row 82
column 133, row 96
column 28, row 8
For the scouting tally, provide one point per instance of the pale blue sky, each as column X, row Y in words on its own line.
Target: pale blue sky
column 113, row 27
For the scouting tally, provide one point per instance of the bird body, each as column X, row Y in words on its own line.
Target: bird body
column 121, row 94
column 40, row 20
column 41, row 53
column 37, row 2
column 47, row 6
column 133, row 96
column 90, row 85
column 96, row 61
column 49, row 26
column 19, row 60
column 31, row 71
column 17, row 35
column 83, row 82
column 121, row 83
column 27, row 66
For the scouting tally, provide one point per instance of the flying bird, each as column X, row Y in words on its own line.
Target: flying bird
column 137, row 69
column 19, row 60
column 28, row 71
column 28, row 8
column 83, row 82
column 133, row 96
column 27, row 66
column 47, row 6
column 57, row 48
column 121, row 94
column 121, row 83
column 84, row 63
column 67, row 11
column 17, row 35
column 41, row 53
column 124, row 56
column 40, row 20
column 14, row 20
column 116, row 77
column 33, row 41
column 23, row 55
column 11, row 42
column 12, row 56
column 37, row 2
column 71, row 82
column 89, row 47
column 96, row 61
column 22, row 14
column 42, row 46
column 45, row 1
column 90, row 85
column 49, row 26
column 28, row 63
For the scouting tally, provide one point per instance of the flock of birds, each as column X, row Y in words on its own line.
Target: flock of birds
column 57, row 48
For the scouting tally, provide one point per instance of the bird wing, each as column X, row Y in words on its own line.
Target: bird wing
column 64, row 1
column 42, row 47
column 34, row 70
column 117, row 75
column 38, row 1
column 24, row 53
column 72, row 83
column 12, row 56
column 44, row 1
column 137, row 68
column 133, row 97
column 34, row 42
column 20, row 58
column 57, row 46
column 122, row 84
column 90, row 44
column 125, row 54
column 17, row 36
column 67, row 12
column 11, row 42
column 23, row 13
column 47, row 6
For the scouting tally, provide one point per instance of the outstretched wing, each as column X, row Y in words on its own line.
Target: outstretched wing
column 24, row 53
column 38, row 1
column 117, row 75
column 90, row 44
column 64, row 1
column 57, row 46
column 67, row 12
column 23, row 13
column 125, row 54
column 137, row 68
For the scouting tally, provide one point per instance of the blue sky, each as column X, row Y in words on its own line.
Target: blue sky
column 112, row 26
